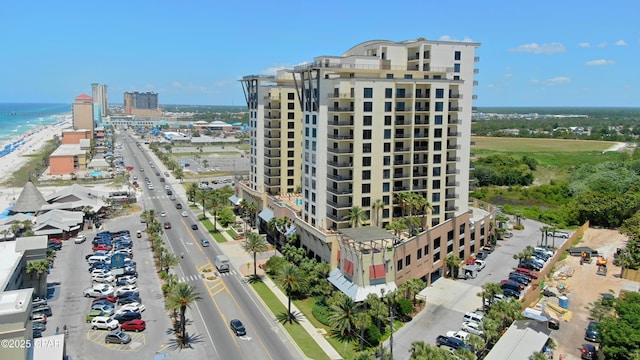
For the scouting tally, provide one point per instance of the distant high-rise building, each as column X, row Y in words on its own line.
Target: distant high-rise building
column 100, row 100
column 145, row 104
column 82, row 110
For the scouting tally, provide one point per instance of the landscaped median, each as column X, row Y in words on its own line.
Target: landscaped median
column 306, row 343
column 209, row 226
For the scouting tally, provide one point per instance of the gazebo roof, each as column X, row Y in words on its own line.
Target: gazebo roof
column 29, row 201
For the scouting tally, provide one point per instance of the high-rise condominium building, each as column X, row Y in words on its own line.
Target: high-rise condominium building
column 383, row 120
column 82, row 110
column 100, row 100
column 138, row 103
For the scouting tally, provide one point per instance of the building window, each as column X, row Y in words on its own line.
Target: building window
column 436, row 243
column 439, row 105
column 291, row 106
column 306, row 119
column 439, row 93
column 457, row 55
column 290, row 163
column 407, row 260
column 368, row 93
column 290, row 182
column 437, row 133
column 387, row 120
column 399, row 266
column 291, row 116
column 387, row 133
column 314, row 120
column 366, row 134
column 385, row 187
column 367, row 106
column 386, row 161
column 366, row 174
column 389, row 76
column 386, row 174
column 437, row 145
column 366, row 201
column 387, row 106
column 388, row 93
column 436, row 171
column 291, row 144
column 461, row 229
column 436, row 257
column 366, row 161
column 435, row 197
column 291, row 96
column 456, row 68
column 437, row 159
column 366, row 188
column 419, row 255
column 408, row 76
column 291, row 153
column 366, row 148
column 426, row 250
column 387, row 147
column 438, row 119
column 289, row 172
column 367, row 121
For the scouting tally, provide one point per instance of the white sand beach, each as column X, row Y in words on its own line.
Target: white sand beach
column 34, row 140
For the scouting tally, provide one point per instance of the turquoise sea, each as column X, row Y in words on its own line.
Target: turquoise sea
column 19, row 118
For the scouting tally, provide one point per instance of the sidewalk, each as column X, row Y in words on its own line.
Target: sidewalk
column 240, row 258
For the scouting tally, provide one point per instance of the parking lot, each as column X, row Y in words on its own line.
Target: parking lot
column 70, row 277
column 448, row 299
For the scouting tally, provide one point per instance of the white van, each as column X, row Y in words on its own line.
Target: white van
column 104, row 323
column 98, row 258
column 473, row 317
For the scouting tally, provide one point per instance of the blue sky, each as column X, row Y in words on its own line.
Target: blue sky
column 535, row 53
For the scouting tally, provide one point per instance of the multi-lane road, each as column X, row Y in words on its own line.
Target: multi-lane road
column 224, row 297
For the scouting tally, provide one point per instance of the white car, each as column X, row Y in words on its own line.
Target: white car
column 104, row 323
column 80, row 238
column 129, row 279
column 126, row 252
column 98, row 290
column 480, row 264
column 126, row 288
column 166, row 187
column 472, row 328
column 184, row 213
column 100, row 272
column 134, row 306
column 102, row 278
column 163, row 214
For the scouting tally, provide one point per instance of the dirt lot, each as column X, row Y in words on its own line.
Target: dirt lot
column 585, row 287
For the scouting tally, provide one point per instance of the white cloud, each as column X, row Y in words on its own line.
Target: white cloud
column 600, row 62
column 536, row 48
column 602, row 45
column 621, row 43
column 584, row 44
column 508, row 76
column 558, row 80
column 451, row 38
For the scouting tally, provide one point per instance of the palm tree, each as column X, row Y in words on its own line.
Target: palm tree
column 477, row 343
column 377, row 206
column 148, row 216
column 361, row 321
column 452, row 261
column 192, row 190
column 216, row 204
column 38, row 268
column 403, row 199
column 412, row 287
column 181, row 297
column 489, row 290
column 255, row 244
column 538, row 356
column 425, row 208
column 422, row 351
column 356, row 216
column 167, row 260
column 252, row 208
column 397, row 226
column 178, row 173
column 342, row 315
column 291, row 280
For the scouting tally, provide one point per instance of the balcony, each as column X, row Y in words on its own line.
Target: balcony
column 344, row 164
column 453, row 158
column 272, row 182
column 272, row 116
column 420, row 136
column 401, row 136
column 401, row 188
column 452, row 184
column 340, row 191
column 336, row 218
column 272, row 145
column 340, row 123
column 402, row 149
column 272, row 125
column 401, row 162
column 420, row 161
column 339, row 151
column 455, row 108
column 272, row 135
column 403, row 108
column 340, row 205
column 419, row 187
column 340, row 109
column 402, row 123
column 474, row 97
column 421, row 148
column 453, row 147
column 271, row 173
column 454, row 122
column 455, row 96
column 273, row 107
column 273, row 155
column 339, row 95
column 422, row 96
column 340, row 177
column 413, row 58
column 475, row 83
column 451, row 196
column 401, row 175
column 406, row 95
column 340, row 137
column 451, row 208
column 420, row 174
column 422, row 122
column 452, row 171
column 272, row 163
column 454, row 134
column 275, row 97
column 422, row 109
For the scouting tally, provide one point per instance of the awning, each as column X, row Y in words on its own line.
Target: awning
column 290, row 231
column 355, row 292
column 235, row 200
column 377, row 272
column 266, row 215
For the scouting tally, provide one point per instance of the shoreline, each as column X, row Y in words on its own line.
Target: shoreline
column 31, row 142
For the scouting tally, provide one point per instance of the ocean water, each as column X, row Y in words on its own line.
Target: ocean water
column 18, row 118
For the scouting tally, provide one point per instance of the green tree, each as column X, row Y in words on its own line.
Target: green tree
column 291, row 281
column 342, row 315
column 453, row 262
column 38, row 269
column 356, row 216
column 192, row 191
column 489, row 291
column 255, row 244
column 411, row 288
column 538, row 356
column 167, row 260
column 619, row 332
column 397, row 226
column 178, row 172
column 181, row 297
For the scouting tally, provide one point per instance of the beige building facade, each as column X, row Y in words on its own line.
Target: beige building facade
column 82, row 111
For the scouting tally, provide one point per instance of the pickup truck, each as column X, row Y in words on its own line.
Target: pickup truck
column 451, row 342
column 460, row 335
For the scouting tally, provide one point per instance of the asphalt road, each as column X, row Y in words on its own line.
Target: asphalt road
column 225, row 298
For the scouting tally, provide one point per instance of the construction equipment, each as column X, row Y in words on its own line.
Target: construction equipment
column 585, row 257
column 601, row 263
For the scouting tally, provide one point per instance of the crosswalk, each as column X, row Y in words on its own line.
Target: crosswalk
column 189, row 278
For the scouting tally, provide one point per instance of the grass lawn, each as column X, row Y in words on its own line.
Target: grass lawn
column 297, row 332
column 232, row 233
column 218, row 237
column 209, row 226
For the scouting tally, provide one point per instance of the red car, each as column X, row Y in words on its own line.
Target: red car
column 133, row 325
column 109, row 298
column 102, row 247
column 56, row 240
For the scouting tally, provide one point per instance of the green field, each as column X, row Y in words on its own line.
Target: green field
column 556, row 157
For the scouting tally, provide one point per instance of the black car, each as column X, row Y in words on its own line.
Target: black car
column 511, row 293
column 482, row 255
column 54, row 246
column 178, row 206
column 126, row 316
column 157, row 174
column 37, row 333
column 129, row 300
column 592, row 332
column 194, row 227
column 589, row 352
column 129, row 294
column 237, row 327
column 521, row 278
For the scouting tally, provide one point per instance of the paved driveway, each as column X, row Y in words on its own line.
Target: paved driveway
column 448, row 299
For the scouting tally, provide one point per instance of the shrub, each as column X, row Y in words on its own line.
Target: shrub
column 274, row 264
column 405, row 306
column 321, row 313
column 373, row 335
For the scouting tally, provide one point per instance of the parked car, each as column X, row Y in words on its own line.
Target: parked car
column 38, row 301
column 80, row 239
column 167, row 225
column 588, row 352
column 482, row 255
column 39, row 326
column 104, row 323
column 54, row 246
column 480, row 264
column 452, row 342
column 107, row 308
column 129, row 299
column 472, row 328
column 127, row 280
column 237, row 327
column 37, row 333
column 527, row 272
column 98, row 290
column 519, row 279
column 126, row 316
column 117, row 337
column 510, row 284
column 102, row 247
column 133, row 325
column 511, row 293
column 184, row 214
column 42, row 309
column 40, row 318
column 592, row 332
column 102, row 278
column 134, row 307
